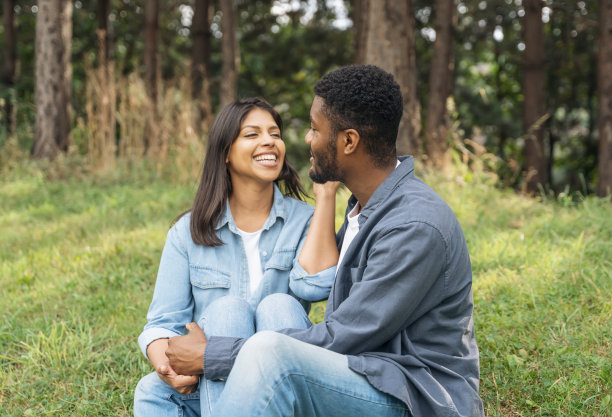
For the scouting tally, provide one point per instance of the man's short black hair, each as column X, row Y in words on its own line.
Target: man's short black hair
column 367, row 99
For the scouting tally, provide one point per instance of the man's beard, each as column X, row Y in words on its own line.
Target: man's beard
column 324, row 167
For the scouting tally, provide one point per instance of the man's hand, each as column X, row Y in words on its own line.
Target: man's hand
column 184, row 384
column 186, row 353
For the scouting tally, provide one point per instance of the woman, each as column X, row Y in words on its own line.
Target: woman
column 240, row 259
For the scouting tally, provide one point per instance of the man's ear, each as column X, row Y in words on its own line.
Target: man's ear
column 349, row 138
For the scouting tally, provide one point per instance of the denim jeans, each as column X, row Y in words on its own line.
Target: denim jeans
column 276, row 375
column 226, row 316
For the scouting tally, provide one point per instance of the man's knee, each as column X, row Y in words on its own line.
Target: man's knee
column 265, row 352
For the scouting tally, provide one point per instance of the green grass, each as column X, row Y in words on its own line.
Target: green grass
column 78, row 260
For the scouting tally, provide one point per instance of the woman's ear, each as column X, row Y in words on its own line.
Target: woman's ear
column 349, row 139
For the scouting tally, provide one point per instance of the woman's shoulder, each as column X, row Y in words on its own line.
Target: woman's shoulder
column 181, row 228
column 297, row 208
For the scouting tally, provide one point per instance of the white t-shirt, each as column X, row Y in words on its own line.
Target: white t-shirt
column 251, row 247
column 352, row 228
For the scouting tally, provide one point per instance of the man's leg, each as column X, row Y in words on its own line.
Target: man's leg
column 280, row 311
column 226, row 316
column 155, row 398
column 275, row 375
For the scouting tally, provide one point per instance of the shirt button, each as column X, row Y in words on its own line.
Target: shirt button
column 264, row 253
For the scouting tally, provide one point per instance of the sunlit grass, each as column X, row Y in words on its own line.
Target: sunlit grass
column 78, row 260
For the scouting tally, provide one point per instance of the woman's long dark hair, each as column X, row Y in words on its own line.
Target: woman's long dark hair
column 216, row 186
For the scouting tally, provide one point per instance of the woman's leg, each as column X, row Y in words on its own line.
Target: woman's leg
column 154, row 398
column 226, row 316
column 280, row 311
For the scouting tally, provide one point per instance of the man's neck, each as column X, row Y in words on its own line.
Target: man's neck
column 363, row 181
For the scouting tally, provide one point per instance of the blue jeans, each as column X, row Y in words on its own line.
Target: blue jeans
column 226, row 316
column 275, row 375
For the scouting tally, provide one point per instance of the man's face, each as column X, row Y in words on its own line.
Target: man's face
column 322, row 143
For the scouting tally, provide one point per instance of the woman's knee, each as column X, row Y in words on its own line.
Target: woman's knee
column 280, row 311
column 228, row 316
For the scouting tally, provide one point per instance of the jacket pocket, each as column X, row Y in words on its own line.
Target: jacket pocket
column 207, row 278
column 281, row 260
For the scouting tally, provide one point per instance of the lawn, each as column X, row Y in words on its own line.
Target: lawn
column 78, row 259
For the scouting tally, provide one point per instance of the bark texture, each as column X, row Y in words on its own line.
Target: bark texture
column 230, row 53
column 536, row 172
column 200, row 84
column 440, row 82
column 605, row 99
column 53, row 77
column 385, row 37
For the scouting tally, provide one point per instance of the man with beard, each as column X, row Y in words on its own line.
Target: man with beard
column 398, row 335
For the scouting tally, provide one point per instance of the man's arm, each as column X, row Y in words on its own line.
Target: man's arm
column 403, row 265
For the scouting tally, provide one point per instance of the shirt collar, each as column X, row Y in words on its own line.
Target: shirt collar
column 404, row 169
column 278, row 210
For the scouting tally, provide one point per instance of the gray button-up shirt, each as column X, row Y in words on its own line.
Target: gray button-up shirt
column 401, row 305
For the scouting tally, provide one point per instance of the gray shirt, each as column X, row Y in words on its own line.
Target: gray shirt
column 401, row 304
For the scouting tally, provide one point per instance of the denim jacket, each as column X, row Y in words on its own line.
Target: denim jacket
column 401, row 305
column 191, row 276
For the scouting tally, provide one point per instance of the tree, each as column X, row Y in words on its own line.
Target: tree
column 533, row 92
column 9, row 69
column 230, row 52
column 440, row 81
column 605, row 98
column 200, row 72
column 53, row 78
column 385, row 37
column 152, row 130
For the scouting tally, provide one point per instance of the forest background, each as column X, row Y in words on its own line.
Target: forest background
column 104, row 109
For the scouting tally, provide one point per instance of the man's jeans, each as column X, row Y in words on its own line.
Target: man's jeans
column 226, row 316
column 275, row 375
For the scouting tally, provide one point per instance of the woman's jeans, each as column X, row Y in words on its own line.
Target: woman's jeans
column 226, row 316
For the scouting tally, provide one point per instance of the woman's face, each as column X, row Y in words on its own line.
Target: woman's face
column 258, row 152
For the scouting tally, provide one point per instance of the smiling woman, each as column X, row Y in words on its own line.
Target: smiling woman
column 247, row 256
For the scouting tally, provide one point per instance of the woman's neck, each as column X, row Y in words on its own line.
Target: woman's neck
column 251, row 204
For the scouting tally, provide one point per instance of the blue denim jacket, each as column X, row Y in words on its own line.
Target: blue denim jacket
column 191, row 276
column 401, row 305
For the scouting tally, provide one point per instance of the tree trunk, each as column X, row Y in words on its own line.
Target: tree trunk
column 152, row 129
column 605, row 98
column 533, row 93
column 230, row 53
column 53, row 77
column 200, row 84
column 385, row 37
column 9, row 68
column 440, row 81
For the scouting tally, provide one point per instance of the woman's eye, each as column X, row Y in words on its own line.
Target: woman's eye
column 250, row 135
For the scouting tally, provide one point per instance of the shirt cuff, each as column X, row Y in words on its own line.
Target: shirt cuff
column 219, row 356
column 311, row 287
column 152, row 334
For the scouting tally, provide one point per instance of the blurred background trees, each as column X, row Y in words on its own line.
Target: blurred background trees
column 520, row 85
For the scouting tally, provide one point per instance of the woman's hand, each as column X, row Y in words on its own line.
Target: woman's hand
column 156, row 351
column 184, row 384
column 324, row 190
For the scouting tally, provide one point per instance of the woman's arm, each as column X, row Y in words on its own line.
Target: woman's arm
column 320, row 251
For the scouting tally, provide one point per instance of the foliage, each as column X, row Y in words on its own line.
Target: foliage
column 78, row 259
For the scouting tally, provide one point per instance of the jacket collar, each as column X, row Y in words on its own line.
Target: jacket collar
column 405, row 169
column 278, row 210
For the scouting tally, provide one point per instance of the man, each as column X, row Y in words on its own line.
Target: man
column 398, row 336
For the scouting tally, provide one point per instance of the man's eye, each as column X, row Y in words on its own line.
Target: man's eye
column 277, row 135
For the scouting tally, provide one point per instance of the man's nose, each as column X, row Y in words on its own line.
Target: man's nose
column 308, row 137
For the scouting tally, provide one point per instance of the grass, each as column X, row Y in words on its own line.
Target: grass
column 78, row 259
